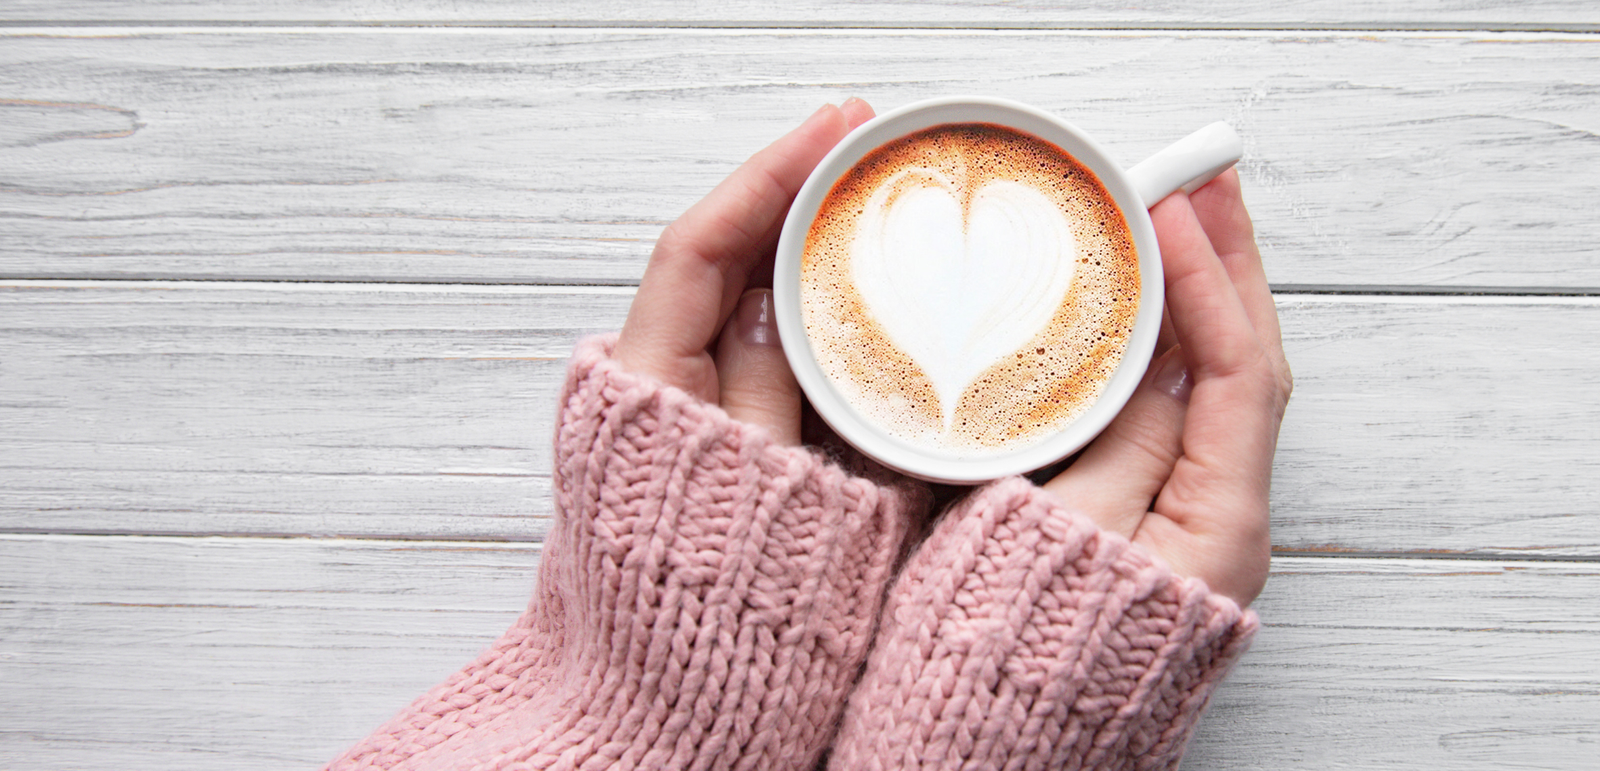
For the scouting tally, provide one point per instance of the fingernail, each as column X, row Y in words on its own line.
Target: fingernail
column 1173, row 378
column 758, row 323
column 851, row 100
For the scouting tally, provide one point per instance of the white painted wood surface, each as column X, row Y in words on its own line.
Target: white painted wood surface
column 1436, row 508
column 815, row 13
column 1399, row 160
column 1421, row 424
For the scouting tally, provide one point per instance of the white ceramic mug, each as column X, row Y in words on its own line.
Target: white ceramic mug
column 1186, row 165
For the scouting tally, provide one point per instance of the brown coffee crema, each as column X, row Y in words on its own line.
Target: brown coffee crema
column 1028, row 393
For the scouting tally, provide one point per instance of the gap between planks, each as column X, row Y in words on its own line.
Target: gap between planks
column 536, row 544
column 823, row 26
column 1366, row 293
column 1534, row 31
column 1413, row 295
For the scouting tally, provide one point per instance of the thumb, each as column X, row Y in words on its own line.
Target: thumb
column 756, row 383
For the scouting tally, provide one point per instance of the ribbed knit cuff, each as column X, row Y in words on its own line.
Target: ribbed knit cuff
column 704, row 601
column 1020, row 635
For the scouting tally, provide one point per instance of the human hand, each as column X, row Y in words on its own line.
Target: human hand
column 1186, row 467
column 703, row 284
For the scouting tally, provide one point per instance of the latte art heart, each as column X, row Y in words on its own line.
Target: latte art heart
column 958, row 288
column 968, row 289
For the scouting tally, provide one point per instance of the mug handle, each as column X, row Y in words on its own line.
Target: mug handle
column 1187, row 163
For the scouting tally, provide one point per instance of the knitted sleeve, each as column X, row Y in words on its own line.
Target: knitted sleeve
column 704, row 600
column 1021, row 636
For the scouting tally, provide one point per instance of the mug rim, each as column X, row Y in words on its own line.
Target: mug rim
column 928, row 463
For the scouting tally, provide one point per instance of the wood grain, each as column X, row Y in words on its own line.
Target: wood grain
column 971, row 13
column 1374, row 160
column 206, row 653
column 1424, row 423
column 1418, row 424
column 286, row 408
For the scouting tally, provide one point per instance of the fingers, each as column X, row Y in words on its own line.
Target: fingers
column 856, row 112
column 1219, row 207
column 757, row 385
column 1168, row 336
column 1233, row 417
column 1207, row 313
column 1120, row 474
column 701, row 262
column 1211, row 518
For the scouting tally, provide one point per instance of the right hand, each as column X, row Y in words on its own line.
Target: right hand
column 1186, row 467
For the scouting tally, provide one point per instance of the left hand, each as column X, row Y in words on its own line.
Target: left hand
column 703, row 285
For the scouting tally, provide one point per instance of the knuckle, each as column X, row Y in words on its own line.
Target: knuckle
column 1282, row 385
column 1255, row 368
column 673, row 245
column 1272, row 375
column 763, row 390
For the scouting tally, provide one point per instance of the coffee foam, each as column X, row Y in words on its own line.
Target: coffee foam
column 957, row 299
column 1009, row 388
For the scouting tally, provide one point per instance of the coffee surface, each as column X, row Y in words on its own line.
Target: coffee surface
column 969, row 287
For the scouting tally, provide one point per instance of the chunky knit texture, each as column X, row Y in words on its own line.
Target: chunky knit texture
column 1020, row 636
column 704, row 601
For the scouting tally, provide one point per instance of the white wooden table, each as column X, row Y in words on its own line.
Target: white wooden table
column 286, row 288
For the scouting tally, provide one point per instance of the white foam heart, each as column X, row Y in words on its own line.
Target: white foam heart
column 957, row 293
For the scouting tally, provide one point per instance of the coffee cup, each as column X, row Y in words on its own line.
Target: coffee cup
column 969, row 288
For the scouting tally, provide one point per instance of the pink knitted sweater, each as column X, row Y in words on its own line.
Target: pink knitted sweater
column 710, row 600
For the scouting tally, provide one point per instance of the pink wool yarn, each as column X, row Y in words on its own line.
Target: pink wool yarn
column 704, row 601
column 1021, row 636
column 707, row 600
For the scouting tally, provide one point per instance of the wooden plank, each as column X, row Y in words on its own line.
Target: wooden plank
column 192, row 653
column 146, row 653
column 1423, row 423
column 285, row 408
column 1401, row 664
column 1418, row 424
column 1447, row 161
column 821, row 12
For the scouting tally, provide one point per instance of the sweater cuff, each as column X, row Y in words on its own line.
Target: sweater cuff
column 705, row 599
column 633, row 424
column 755, row 567
column 1161, row 643
column 1020, row 633
column 636, row 457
